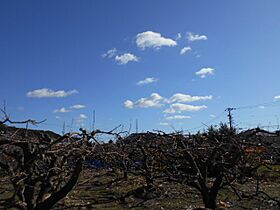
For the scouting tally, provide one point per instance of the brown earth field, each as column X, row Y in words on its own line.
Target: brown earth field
column 100, row 189
column 103, row 192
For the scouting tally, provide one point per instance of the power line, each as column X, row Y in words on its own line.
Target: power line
column 258, row 105
column 237, row 108
column 208, row 122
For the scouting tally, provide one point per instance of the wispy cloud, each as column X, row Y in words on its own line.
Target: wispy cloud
column 179, row 97
column 150, row 39
column 70, row 109
column 179, row 108
column 81, row 118
column 164, row 124
column 62, row 110
column 110, row 53
column 277, row 97
column 204, row 72
column 20, row 108
column 195, row 37
column 184, row 50
column 125, row 58
column 178, row 117
column 155, row 100
column 178, row 36
column 121, row 59
column 77, row 106
column 147, row 80
column 48, row 93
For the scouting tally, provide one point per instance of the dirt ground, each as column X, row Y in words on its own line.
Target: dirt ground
column 98, row 191
column 101, row 190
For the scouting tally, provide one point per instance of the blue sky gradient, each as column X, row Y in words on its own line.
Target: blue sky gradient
column 60, row 45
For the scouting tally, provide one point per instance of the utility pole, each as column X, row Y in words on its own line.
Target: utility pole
column 230, row 117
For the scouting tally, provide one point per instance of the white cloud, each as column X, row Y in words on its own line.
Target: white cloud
column 128, row 104
column 125, row 58
column 77, row 106
column 153, row 101
column 179, row 97
column 57, row 117
column 164, row 124
column 276, row 97
column 150, row 39
column 179, row 108
column 61, row 110
column 147, row 80
column 261, row 107
column 204, row 72
column 179, row 36
column 48, row 93
column 64, row 110
column 121, row 59
column 212, row 115
column 177, row 102
column 178, row 117
column 195, row 37
column 184, row 50
column 81, row 118
column 110, row 53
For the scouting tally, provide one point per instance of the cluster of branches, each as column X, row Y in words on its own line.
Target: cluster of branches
column 206, row 161
column 43, row 170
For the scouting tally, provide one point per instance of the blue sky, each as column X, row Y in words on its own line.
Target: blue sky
column 166, row 63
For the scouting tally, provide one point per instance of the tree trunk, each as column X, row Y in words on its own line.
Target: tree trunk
column 209, row 199
column 56, row 196
column 149, row 181
column 209, row 195
column 125, row 176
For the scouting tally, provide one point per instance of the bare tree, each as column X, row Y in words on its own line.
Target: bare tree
column 203, row 162
column 41, row 169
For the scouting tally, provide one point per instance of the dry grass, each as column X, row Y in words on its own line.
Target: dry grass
column 99, row 193
column 98, row 190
